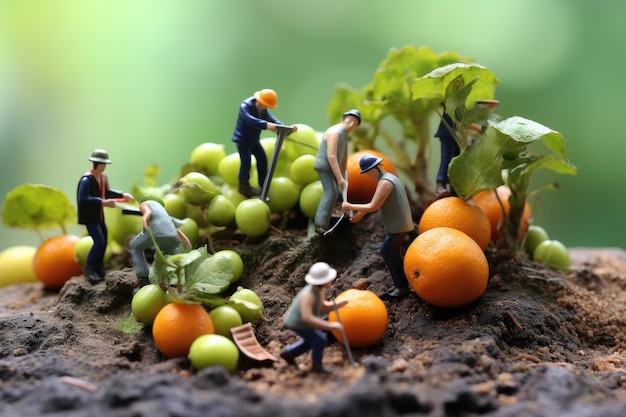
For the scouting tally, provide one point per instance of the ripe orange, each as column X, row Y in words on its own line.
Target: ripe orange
column 364, row 318
column 458, row 214
column 361, row 187
column 446, row 267
column 488, row 203
column 177, row 325
column 55, row 262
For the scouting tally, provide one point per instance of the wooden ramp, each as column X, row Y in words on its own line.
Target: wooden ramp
column 248, row 344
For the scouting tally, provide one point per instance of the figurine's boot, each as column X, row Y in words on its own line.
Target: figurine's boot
column 247, row 190
column 319, row 368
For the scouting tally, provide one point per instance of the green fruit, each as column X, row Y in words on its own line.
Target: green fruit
column 147, row 302
column 198, row 189
column 213, row 350
column 248, row 304
column 303, row 171
column 302, row 142
column 310, row 198
column 534, row 236
column 225, row 318
column 283, row 194
column 221, row 211
column 175, row 205
column 253, row 217
column 16, row 265
column 552, row 254
column 233, row 194
column 191, row 230
column 236, row 261
column 228, row 169
column 207, row 156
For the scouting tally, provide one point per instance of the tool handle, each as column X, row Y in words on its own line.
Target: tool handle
column 343, row 335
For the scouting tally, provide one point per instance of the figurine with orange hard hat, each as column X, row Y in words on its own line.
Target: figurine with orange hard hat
column 254, row 116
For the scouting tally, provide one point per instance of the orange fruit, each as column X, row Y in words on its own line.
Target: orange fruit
column 488, row 203
column 55, row 262
column 361, row 187
column 364, row 318
column 458, row 214
column 446, row 267
column 177, row 325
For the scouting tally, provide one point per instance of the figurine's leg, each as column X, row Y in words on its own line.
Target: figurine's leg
column 261, row 162
column 391, row 253
column 98, row 233
column 140, row 243
column 328, row 201
column 319, row 341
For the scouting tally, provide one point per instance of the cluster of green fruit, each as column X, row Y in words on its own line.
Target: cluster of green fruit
column 207, row 196
column 549, row 252
column 209, row 347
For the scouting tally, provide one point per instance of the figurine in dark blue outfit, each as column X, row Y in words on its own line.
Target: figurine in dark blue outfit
column 303, row 317
column 391, row 199
column 449, row 149
column 93, row 194
column 253, row 117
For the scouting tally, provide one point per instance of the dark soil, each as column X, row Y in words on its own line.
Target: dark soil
column 537, row 343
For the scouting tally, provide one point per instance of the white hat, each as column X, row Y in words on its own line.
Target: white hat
column 320, row 273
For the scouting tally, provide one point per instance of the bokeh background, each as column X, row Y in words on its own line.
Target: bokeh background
column 149, row 80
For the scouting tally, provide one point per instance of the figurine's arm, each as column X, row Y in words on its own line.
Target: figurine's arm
column 383, row 189
column 184, row 239
column 330, row 305
column 332, row 140
column 146, row 213
column 306, row 312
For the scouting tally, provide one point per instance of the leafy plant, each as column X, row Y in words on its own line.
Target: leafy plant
column 390, row 114
column 194, row 276
column 500, row 154
column 36, row 207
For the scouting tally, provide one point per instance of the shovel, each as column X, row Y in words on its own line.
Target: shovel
column 281, row 131
column 343, row 336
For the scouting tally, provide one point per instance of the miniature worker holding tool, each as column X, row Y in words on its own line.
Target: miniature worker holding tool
column 163, row 229
column 303, row 317
column 93, row 194
column 330, row 164
column 253, row 117
column 391, row 199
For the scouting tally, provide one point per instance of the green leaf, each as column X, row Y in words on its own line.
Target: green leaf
column 212, row 276
column 526, row 131
column 433, row 86
column 33, row 206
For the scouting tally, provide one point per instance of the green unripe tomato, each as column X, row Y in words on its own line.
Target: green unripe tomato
column 303, row 170
column 253, row 217
column 236, row 260
column 283, row 194
column 207, row 156
column 198, row 189
column 552, row 254
column 249, row 313
column 147, row 302
column 213, row 350
column 310, row 198
column 225, row 318
column 221, row 211
column 534, row 236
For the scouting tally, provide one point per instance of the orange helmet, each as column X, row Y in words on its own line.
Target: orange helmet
column 267, row 98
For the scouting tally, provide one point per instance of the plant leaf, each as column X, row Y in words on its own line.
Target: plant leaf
column 34, row 207
column 212, row 276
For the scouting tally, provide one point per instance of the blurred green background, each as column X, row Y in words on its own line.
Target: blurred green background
column 150, row 80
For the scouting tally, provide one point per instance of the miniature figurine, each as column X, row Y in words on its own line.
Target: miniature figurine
column 253, row 117
column 391, row 199
column 330, row 164
column 93, row 194
column 449, row 149
column 163, row 228
column 303, row 317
